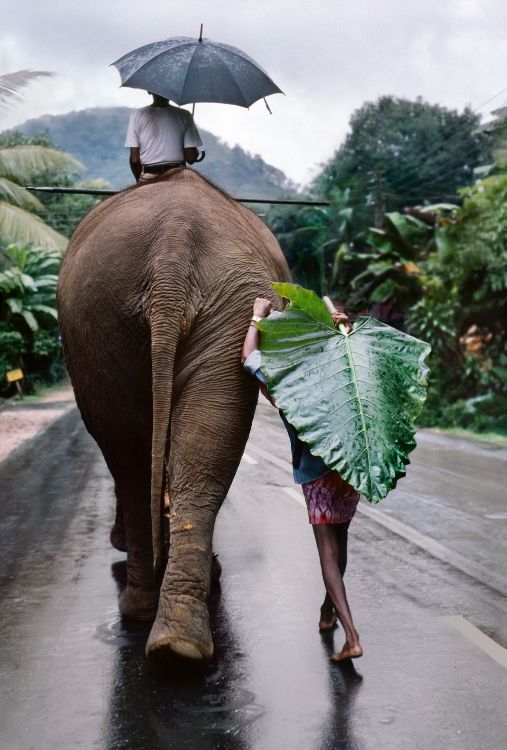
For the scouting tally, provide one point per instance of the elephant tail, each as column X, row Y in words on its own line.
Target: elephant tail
column 163, row 350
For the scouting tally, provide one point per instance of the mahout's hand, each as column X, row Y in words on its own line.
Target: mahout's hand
column 262, row 307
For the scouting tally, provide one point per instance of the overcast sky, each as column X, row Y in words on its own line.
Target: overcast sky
column 328, row 56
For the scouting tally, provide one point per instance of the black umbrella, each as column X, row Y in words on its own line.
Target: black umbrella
column 187, row 70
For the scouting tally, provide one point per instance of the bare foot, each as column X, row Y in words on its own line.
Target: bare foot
column 328, row 619
column 348, row 652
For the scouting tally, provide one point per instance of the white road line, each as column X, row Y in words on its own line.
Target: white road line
column 430, row 546
column 248, row 459
column 488, row 645
column 295, row 495
column 435, row 549
column 285, row 465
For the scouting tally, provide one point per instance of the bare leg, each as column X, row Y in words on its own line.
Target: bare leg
column 328, row 545
column 328, row 617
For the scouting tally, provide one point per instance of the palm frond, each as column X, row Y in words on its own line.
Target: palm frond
column 28, row 282
column 45, row 310
column 18, row 196
column 17, row 225
column 11, row 83
column 23, row 163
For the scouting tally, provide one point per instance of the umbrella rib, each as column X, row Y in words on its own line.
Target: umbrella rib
column 186, row 73
column 227, row 71
column 151, row 59
column 163, row 51
column 244, row 57
column 254, row 64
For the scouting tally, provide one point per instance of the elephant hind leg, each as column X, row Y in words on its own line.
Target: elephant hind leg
column 209, row 429
column 182, row 624
column 118, row 535
column 139, row 600
column 130, row 465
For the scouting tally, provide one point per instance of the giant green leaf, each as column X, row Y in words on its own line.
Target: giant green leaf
column 351, row 397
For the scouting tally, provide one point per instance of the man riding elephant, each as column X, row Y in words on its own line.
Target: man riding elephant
column 154, row 296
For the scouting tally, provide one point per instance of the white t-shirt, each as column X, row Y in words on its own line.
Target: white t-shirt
column 161, row 133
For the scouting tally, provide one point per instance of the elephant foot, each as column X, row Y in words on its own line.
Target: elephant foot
column 139, row 604
column 184, row 633
column 118, row 538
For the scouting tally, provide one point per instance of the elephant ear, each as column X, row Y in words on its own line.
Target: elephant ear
column 351, row 397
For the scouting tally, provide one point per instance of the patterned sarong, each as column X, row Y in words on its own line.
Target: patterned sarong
column 330, row 499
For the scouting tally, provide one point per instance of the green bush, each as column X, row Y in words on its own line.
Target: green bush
column 486, row 413
column 28, row 329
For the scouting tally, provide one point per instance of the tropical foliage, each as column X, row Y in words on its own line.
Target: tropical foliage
column 19, row 165
column 312, row 239
column 60, row 211
column 403, row 153
column 366, row 387
column 28, row 328
column 437, row 271
column 30, row 250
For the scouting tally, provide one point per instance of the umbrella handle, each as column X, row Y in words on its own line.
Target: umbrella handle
column 203, row 154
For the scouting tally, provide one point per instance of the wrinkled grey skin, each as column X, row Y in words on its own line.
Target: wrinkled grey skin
column 155, row 296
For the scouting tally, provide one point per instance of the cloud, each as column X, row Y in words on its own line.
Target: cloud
column 329, row 56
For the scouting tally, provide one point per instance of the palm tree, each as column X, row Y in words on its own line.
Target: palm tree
column 20, row 165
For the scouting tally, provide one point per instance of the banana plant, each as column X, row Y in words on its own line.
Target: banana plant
column 352, row 397
column 28, row 287
column 384, row 264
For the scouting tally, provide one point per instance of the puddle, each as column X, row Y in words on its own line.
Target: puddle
column 121, row 633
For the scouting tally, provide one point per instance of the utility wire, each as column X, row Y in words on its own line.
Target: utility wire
column 474, row 111
column 420, row 152
column 441, row 173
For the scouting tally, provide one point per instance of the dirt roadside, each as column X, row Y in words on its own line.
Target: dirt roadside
column 20, row 421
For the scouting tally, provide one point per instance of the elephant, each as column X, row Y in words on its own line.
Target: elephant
column 154, row 298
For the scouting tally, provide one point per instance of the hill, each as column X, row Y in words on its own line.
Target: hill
column 96, row 137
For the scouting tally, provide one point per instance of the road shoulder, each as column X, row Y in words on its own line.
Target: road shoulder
column 20, row 422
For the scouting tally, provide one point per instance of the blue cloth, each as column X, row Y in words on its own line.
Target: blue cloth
column 305, row 466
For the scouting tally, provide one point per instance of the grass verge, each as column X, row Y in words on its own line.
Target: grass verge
column 499, row 438
column 40, row 394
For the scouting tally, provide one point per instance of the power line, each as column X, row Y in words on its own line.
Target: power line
column 418, row 153
column 439, row 174
column 474, row 111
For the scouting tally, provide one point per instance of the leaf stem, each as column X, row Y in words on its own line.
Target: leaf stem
column 326, row 300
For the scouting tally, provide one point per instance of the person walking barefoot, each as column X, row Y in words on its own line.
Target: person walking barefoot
column 331, row 502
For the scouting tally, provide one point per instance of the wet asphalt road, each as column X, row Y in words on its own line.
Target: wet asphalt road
column 73, row 675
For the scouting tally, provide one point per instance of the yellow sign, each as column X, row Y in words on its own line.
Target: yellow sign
column 14, row 375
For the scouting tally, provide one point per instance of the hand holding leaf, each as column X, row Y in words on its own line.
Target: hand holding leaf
column 352, row 397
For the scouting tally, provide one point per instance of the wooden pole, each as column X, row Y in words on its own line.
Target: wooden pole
column 379, row 200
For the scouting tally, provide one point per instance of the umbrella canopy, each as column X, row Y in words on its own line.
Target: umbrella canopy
column 187, row 70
